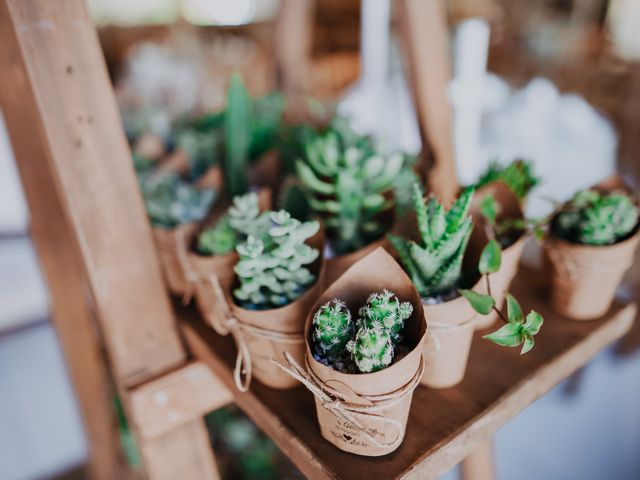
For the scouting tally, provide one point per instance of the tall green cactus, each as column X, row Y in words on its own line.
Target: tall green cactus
column 384, row 310
column 332, row 328
column 237, row 116
column 273, row 270
column 593, row 218
column 435, row 263
column 350, row 187
column 371, row 349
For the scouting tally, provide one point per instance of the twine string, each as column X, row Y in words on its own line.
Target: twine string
column 335, row 402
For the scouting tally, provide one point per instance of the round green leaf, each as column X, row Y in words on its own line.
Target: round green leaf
column 533, row 322
column 480, row 303
column 490, row 258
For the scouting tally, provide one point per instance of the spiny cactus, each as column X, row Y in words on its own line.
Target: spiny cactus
column 170, row 201
column 435, row 264
column 593, row 218
column 350, row 187
column 371, row 349
column 272, row 270
column 384, row 310
column 332, row 328
column 518, row 176
column 242, row 219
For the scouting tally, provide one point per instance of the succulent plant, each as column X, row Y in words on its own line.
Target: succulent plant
column 170, row 201
column 435, row 263
column 371, row 349
column 273, row 269
column 518, row 176
column 201, row 148
column 384, row 311
column 243, row 218
column 332, row 328
column 350, row 187
column 593, row 218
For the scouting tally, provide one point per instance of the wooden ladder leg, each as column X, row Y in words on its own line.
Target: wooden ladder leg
column 90, row 227
column 478, row 465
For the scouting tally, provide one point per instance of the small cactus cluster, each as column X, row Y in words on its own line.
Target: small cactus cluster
column 435, row 263
column 273, row 267
column 243, row 218
column 367, row 344
column 518, row 176
column 592, row 218
column 350, row 185
column 170, row 201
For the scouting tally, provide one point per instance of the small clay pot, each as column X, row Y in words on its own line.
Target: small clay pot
column 373, row 273
column 583, row 278
column 446, row 349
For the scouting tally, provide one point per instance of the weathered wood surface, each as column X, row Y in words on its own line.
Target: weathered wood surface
column 444, row 425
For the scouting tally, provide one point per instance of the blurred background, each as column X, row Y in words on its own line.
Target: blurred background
column 554, row 81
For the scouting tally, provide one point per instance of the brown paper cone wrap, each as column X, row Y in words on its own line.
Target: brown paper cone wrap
column 264, row 335
column 367, row 413
column 584, row 278
column 171, row 245
column 336, row 266
column 510, row 208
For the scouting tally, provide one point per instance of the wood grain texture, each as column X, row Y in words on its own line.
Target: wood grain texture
column 425, row 32
column 178, row 397
column 444, row 425
column 66, row 132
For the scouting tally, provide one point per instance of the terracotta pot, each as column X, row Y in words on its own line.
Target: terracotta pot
column 584, row 278
column 387, row 393
column 171, row 246
column 337, row 265
column 501, row 281
column 264, row 335
column 446, row 350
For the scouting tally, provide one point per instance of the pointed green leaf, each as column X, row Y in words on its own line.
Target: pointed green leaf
column 421, row 214
column 459, row 210
column 509, row 335
column 527, row 344
column 490, row 258
column 514, row 311
column 481, row 303
column 533, row 322
column 489, row 208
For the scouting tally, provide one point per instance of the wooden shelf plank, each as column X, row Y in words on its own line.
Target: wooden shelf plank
column 444, row 425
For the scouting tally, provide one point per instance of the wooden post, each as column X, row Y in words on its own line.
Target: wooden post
column 478, row 465
column 89, row 222
column 425, row 32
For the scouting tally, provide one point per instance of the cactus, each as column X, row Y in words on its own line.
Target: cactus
column 371, row 349
column 171, row 201
column 332, row 328
column 384, row 311
column 237, row 137
column 435, row 264
column 242, row 219
column 593, row 218
column 272, row 270
column 518, row 176
column 350, row 187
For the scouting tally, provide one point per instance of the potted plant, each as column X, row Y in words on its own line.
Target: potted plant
column 441, row 266
column 174, row 207
column 590, row 245
column 517, row 175
column 350, row 186
column 277, row 278
column 364, row 340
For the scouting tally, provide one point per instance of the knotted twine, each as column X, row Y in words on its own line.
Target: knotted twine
column 335, row 401
column 228, row 324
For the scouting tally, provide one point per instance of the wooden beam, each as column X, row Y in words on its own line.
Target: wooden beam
column 177, row 398
column 89, row 224
column 425, row 32
column 293, row 39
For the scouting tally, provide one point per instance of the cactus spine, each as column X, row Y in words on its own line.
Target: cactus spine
column 371, row 349
column 384, row 311
column 332, row 328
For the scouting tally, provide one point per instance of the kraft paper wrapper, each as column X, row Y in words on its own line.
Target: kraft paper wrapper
column 336, row 266
column 510, row 208
column 373, row 273
column 168, row 242
column 210, row 304
column 584, row 278
column 288, row 319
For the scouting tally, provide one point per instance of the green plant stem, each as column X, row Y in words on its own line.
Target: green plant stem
column 495, row 309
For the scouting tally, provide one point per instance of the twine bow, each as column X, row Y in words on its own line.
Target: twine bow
column 228, row 324
column 334, row 401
